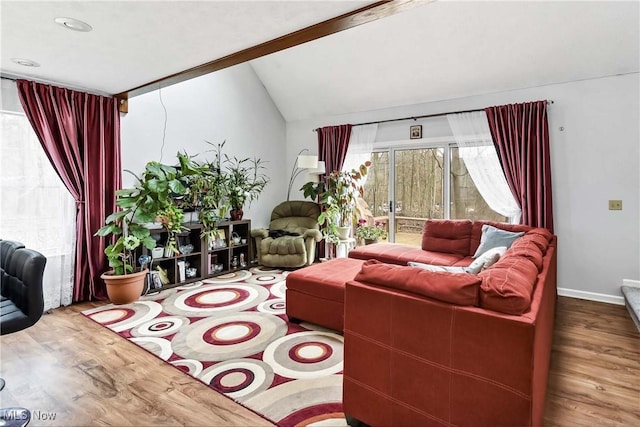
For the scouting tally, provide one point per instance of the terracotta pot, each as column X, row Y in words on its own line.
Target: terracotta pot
column 124, row 289
column 236, row 214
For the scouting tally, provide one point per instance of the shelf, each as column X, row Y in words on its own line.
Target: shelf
column 202, row 258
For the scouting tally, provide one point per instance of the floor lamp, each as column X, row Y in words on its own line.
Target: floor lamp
column 303, row 163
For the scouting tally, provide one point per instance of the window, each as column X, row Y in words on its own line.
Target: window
column 425, row 182
column 36, row 208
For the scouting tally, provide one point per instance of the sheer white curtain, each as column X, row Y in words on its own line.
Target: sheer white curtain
column 472, row 134
column 360, row 147
column 35, row 206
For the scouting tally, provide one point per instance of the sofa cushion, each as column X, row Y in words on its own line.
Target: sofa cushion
column 507, row 286
column 476, row 231
column 396, row 253
column 487, row 259
column 541, row 237
column 451, row 236
column 460, row 289
column 441, row 268
column 493, row 237
column 526, row 247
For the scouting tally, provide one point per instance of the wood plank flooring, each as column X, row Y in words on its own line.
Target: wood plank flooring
column 87, row 375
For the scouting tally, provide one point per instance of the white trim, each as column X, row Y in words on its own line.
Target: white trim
column 631, row 283
column 591, row 296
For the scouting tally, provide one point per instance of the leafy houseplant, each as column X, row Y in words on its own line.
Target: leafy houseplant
column 245, row 182
column 206, row 189
column 141, row 204
column 371, row 232
column 337, row 194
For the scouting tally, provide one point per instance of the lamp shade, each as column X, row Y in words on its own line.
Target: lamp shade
column 319, row 170
column 307, row 162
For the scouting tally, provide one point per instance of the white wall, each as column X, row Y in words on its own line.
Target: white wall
column 230, row 105
column 595, row 158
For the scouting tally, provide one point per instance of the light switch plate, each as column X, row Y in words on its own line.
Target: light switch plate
column 615, row 205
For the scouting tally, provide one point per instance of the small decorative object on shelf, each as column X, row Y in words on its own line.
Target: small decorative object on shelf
column 236, row 238
column 182, row 271
column 236, row 214
column 243, row 262
column 186, row 249
column 234, row 263
column 157, row 252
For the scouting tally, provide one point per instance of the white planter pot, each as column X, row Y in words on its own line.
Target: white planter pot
column 344, row 232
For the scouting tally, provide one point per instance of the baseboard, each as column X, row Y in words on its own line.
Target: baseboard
column 591, row 296
column 631, row 283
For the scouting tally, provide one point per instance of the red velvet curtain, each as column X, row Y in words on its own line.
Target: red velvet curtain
column 333, row 142
column 521, row 135
column 80, row 134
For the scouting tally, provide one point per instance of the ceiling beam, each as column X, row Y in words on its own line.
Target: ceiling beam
column 343, row 22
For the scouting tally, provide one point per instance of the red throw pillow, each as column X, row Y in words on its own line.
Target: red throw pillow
column 527, row 247
column 508, row 285
column 541, row 237
column 449, row 236
column 454, row 288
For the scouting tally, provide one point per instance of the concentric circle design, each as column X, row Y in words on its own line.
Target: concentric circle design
column 189, row 366
column 158, row 346
column 234, row 276
column 279, row 289
column 239, row 377
column 264, row 270
column 160, row 326
column 307, row 354
column 231, row 333
column 310, row 352
column 213, row 299
column 273, row 306
column 265, row 279
column 296, row 401
column 228, row 337
column 123, row 317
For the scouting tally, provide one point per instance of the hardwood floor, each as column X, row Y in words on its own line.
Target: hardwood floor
column 594, row 378
column 87, row 375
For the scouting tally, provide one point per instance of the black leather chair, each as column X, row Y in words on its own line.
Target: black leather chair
column 22, row 301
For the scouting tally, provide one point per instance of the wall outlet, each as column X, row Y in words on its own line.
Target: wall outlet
column 615, row 205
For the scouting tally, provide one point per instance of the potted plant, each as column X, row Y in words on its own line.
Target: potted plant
column 337, row 194
column 371, row 233
column 206, row 190
column 245, row 182
column 141, row 204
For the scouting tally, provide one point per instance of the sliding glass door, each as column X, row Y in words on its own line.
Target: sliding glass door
column 407, row 186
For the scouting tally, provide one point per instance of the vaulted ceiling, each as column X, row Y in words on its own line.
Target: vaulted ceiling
column 437, row 50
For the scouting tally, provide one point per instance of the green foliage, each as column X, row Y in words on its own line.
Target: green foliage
column 337, row 195
column 163, row 192
column 245, row 179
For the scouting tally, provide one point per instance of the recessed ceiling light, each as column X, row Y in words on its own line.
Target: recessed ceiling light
column 73, row 24
column 25, row 62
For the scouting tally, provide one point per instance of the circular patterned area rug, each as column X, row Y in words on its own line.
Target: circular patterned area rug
column 231, row 333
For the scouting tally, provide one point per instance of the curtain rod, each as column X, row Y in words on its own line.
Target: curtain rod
column 421, row 117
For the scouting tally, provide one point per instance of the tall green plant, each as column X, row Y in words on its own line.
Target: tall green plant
column 246, row 179
column 207, row 188
column 153, row 192
column 337, row 194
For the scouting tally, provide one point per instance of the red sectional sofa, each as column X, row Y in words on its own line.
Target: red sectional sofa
column 438, row 348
